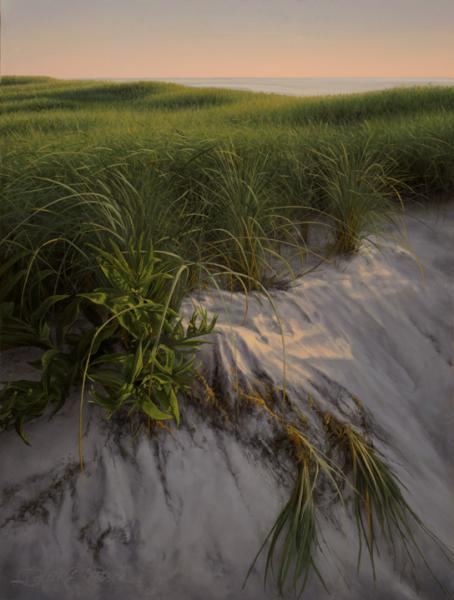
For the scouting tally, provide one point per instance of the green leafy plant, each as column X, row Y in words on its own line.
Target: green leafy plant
column 127, row 338
column 59, row 363
column 156, row 360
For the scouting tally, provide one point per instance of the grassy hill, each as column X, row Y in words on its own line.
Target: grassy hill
column 224, row 180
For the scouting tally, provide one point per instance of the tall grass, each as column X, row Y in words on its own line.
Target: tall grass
column 356, row 193
column 222, row 177
column 248, row 226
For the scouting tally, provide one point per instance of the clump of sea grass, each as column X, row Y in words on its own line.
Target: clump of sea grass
column 380, row 508
column 293, row 537
column 292, row 540
column 358, row 194
column 250, row 231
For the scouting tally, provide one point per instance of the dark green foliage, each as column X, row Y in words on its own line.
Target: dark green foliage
column 126, row 337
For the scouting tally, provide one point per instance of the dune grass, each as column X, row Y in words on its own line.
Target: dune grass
column 229, row 179
column 118, row 200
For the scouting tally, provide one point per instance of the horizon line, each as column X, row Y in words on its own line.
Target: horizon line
column 232, row 76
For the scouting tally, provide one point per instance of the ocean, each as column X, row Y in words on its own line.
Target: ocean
column 303, row 86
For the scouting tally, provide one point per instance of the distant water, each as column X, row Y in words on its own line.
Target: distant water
column 305, row 86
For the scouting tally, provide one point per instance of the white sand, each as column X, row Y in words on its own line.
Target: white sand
column 181, row 516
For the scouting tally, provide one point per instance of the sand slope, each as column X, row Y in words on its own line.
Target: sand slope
column 180, row 516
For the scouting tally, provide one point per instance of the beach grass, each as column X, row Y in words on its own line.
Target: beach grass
column 225, row 178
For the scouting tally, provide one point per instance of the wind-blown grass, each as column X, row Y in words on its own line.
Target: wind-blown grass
column 358, row 194
column 224, row 177
column 297, row 525
column 359, row 477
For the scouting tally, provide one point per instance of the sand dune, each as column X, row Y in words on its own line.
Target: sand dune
column 181, row 516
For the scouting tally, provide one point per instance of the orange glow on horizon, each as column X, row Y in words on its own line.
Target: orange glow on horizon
column 87, row 44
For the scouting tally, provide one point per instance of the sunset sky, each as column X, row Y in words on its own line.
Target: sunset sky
column 228, row 38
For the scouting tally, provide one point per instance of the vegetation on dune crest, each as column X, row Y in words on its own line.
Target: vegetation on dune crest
column 358, row 194
column 118, row 200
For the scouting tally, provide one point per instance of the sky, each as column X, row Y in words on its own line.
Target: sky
column 228, row 38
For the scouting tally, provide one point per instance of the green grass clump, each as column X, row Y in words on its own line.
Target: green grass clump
column 380, row 508
column 292, row 542
column 354, row 473
column 296, row 524
column 249, row 224
column 358, row 195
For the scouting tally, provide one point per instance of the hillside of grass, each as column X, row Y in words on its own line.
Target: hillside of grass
column 116, row 185
column 144, row 192
column 222, row 159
